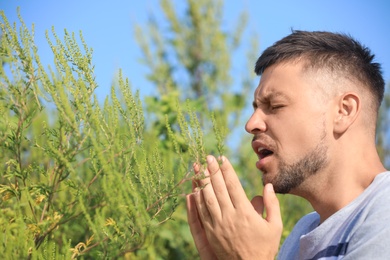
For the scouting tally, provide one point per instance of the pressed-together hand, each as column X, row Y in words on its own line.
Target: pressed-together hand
column 225, row 224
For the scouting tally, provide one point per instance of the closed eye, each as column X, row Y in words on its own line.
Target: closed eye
column 276, row 107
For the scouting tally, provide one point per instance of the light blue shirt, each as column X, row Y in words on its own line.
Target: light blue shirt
column 360, row 230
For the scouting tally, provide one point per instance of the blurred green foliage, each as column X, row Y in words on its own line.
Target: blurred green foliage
column 81, row 178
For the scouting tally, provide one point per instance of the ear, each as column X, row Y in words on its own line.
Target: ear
column 347, row 112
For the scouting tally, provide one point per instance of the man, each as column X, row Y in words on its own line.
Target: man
column 313, row 127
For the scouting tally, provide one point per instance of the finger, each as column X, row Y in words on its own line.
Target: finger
column 197, row 172
column 208, row 197
column 258, row 204
column 202, row 176
column 195, row 224
column 194, row 185
column 196, row 167
column 272, row 207
column 194, row 181
column 233, row 184
column 192, row 214
column 218, row 182
column 207, row 204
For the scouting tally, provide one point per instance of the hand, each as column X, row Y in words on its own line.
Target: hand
column 225, row 224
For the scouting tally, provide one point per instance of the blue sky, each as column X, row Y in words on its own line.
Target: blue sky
column 107, row 27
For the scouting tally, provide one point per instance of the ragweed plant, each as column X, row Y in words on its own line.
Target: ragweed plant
column 79, row 178
column 190, row 133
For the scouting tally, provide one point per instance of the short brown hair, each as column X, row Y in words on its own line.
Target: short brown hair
column 333, row 51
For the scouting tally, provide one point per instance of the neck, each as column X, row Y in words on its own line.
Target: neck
column 335, row 187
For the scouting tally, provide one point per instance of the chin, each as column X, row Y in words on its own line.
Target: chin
column 267, row 178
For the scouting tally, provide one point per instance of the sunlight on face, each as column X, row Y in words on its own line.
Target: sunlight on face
column 289, row 127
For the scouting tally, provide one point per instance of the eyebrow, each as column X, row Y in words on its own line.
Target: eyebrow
column 271, row 95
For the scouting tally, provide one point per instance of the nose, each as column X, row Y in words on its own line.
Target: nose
column 256, row 123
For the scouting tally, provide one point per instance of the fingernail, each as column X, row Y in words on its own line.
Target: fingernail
column 270, row 188
column 210, row 158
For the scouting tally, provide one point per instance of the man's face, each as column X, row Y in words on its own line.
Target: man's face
column 289, row 127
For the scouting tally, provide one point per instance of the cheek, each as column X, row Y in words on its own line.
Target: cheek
column 297, row 138
column 298, row 129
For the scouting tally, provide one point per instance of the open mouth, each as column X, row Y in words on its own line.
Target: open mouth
column 263, row 152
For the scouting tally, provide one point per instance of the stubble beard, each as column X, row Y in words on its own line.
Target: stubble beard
column 291, row 176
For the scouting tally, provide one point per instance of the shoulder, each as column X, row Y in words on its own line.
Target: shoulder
column 371, row 238
column 376, row 196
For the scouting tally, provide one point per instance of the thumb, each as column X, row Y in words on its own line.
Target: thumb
column 272, row 207
column 258, row 204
